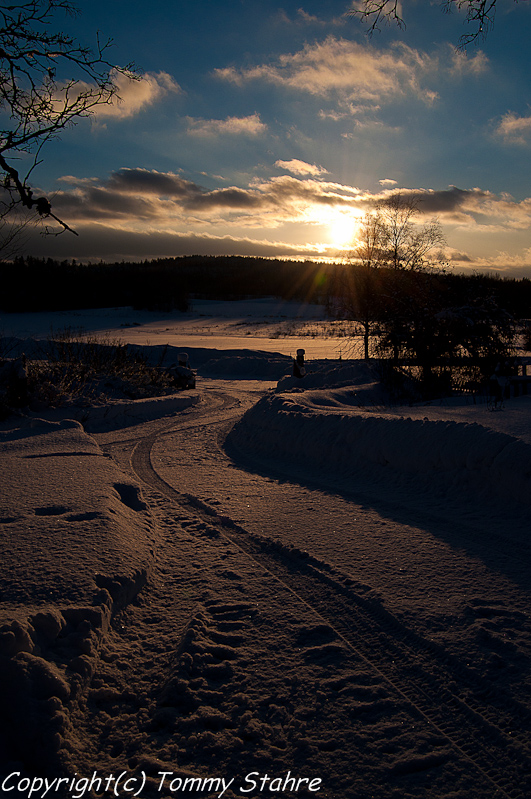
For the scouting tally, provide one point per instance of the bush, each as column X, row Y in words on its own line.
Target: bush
column 77, row 369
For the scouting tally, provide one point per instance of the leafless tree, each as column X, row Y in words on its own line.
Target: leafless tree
column 368, row 248
column 390, row 236
column 48, row 81
column 14, row 223
column 480, row 15
column 389, row 241
column 402, row 243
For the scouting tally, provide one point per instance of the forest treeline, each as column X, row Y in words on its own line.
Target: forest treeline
column 32, row 284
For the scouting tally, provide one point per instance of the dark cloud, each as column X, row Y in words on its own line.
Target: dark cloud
column 447, row 201
column 140, row 194
column 461, row 257
column 226, row 198
column 98, row 203
column 144, row 181
column 97, row 242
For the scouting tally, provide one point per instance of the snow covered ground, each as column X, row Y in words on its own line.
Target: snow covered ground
column 268, row 324
column 256, row 590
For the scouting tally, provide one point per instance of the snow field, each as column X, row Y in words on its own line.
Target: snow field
column 255, row 685
column 338, row 712
column 75, row 547
column 213, row 667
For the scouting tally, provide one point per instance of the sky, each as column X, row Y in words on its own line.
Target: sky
column 271, row 128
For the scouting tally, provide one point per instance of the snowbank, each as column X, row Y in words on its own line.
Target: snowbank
column 75, row 547
column 351, row 383
column 230, row 363
column 320, row 375
column 237, row 364
column 467, row 455
column 117, row 414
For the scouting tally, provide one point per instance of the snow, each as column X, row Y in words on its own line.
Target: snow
column 267, row 585
column 75, row 543
column 270, row 325
column 466, row 455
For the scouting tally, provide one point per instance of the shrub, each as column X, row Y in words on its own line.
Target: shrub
column 73, row 368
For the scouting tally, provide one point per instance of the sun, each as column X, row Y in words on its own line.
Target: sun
column 341, row 231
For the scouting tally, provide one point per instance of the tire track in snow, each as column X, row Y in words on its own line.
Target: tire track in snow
column 489, row 730
column 218, row 404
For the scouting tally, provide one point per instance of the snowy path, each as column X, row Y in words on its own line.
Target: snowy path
column 291, row 626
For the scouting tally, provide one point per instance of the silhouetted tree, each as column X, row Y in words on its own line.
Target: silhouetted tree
column 431, row 327
column 13, row 224
column 389, row 240
column 393, row 238
column 414, row 329
column 358, row 294
column 47, row 82
column 480, row 15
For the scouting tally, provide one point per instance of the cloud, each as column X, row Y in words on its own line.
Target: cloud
column 134, row 96
column 501, row 263
column 297, row 167
column 463, row 63
column 457, row 257
column 97, row 242
column 309, row 19
column 305, row 18
column 138, row 213
column 145, row 181
column 231, row 126
column 153, row 205
column 141, row 194
column 515, row 129
column 130, row 194
column 230, row 199
column 476, row 209
column 351, row 70
column 448, row 202
column 372, row 125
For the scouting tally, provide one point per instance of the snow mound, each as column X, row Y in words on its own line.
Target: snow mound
column 467, row 455
column 117, row 414
column 324, row 374
column 75, row 547
column 242, row 366
column 235, row 364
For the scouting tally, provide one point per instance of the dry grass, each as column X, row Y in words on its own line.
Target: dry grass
column 75, row 368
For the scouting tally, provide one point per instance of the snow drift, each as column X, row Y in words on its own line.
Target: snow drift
column 323, row 374
column 470, row 456
column 75, row 547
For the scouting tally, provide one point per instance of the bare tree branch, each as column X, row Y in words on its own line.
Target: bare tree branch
column 14, row 222
column 480, row 16
column 48, row 81
column 390, row 236
column 377, row 12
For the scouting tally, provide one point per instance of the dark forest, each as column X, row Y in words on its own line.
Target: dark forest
column 31, row 284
